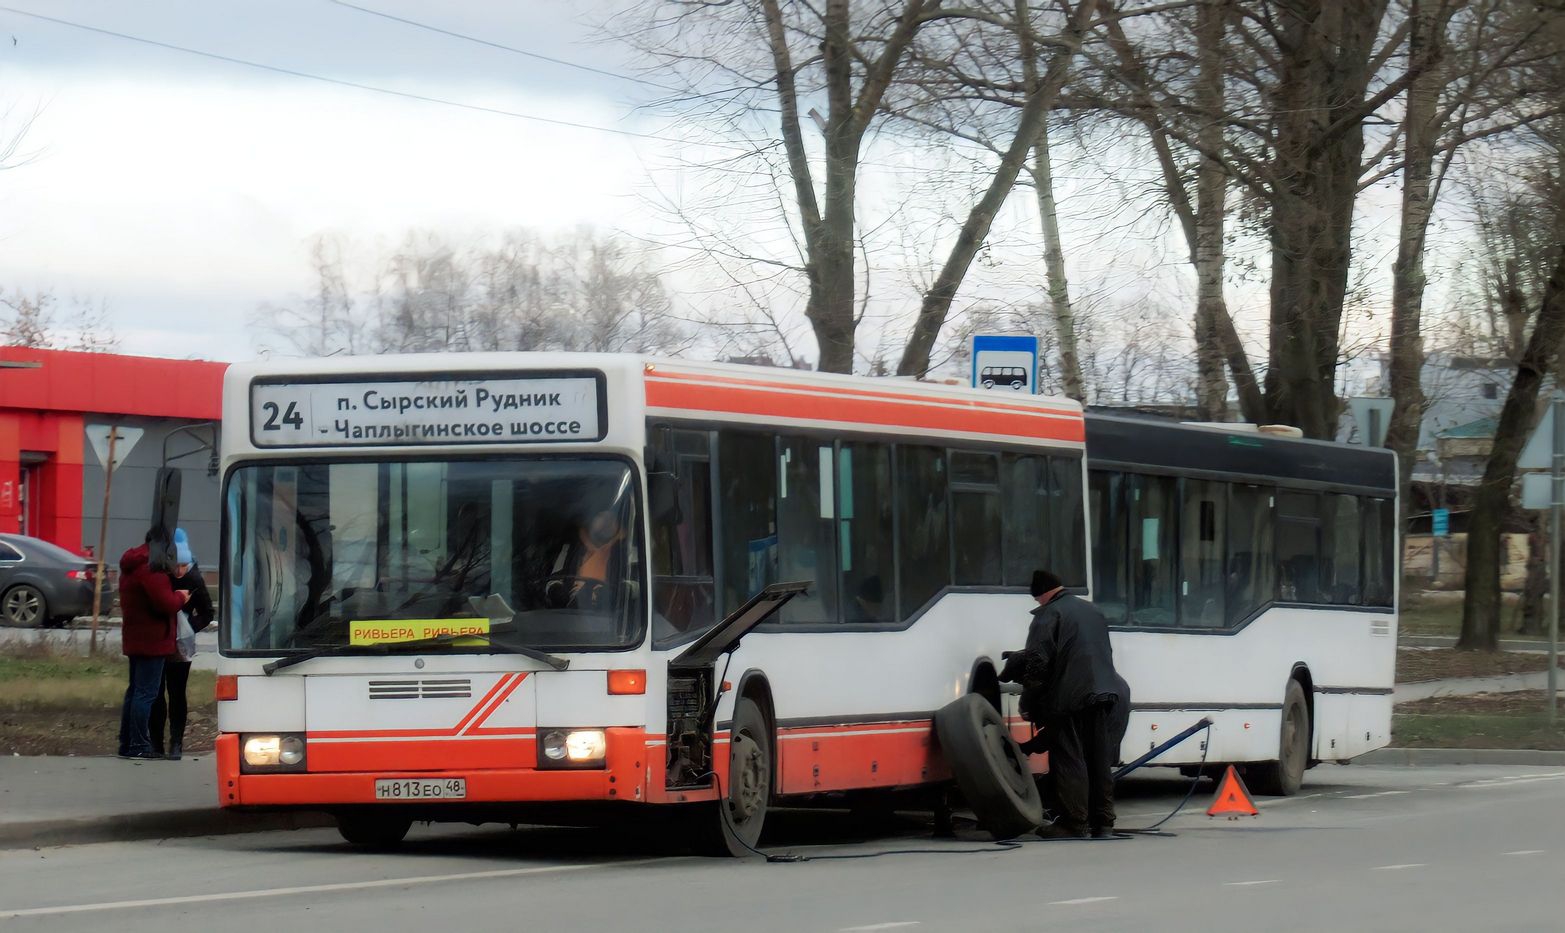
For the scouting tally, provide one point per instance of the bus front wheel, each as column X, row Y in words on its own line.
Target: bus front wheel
column 732, row 825
column 373, row 830
column 1284, row 777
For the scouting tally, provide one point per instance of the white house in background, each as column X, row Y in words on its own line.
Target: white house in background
column 1463, row 392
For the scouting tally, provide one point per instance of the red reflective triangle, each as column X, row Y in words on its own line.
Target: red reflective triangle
column 1233, row 798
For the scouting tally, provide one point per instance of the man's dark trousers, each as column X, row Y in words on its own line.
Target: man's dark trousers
column 1081, row 763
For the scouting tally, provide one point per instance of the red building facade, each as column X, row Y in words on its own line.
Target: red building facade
column 43, row 413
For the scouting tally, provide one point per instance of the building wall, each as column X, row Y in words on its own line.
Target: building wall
column 130, row 503
column 44, row 412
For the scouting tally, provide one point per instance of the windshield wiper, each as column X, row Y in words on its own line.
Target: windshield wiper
column 558, row 664
column 324, row 651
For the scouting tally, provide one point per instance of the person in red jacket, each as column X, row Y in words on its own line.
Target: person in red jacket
column 148, row 603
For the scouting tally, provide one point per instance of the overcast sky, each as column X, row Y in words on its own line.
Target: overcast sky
column 183, row 190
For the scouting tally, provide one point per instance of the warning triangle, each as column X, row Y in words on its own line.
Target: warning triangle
column 1233, row 798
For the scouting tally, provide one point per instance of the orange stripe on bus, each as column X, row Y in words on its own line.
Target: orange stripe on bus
column 763, row 403
column 849, row 391
column 475, row 729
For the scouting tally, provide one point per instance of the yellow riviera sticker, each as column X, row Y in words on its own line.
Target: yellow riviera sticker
column 388, row 631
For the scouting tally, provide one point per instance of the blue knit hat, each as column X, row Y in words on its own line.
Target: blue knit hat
column 182, row 553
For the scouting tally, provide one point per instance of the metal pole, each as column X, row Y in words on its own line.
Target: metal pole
column 103, row 536
column 1556, row 502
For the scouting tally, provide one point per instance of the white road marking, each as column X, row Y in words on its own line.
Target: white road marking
column 1081, row 900
column 311, row 889
column 1384, row 793
column 1400, row 867
column 1245, row 884
column 1527, row 852
column 892, row 925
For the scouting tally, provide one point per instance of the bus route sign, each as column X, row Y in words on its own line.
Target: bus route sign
column 402, row 413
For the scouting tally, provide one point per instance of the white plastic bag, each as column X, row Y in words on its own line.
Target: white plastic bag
column 185, row 638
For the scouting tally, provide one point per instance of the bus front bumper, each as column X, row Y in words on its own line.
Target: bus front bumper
column 623, row 778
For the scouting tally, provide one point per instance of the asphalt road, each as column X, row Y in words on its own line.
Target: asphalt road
column 1461, row 848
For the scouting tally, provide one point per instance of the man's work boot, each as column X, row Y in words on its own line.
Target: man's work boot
column 1103, row 832
column 1060, row 831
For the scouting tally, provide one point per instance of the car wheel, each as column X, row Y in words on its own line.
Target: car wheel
column 23, row 605
column 988, row 383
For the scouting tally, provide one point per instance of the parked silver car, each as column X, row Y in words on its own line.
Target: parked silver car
column 42, row 584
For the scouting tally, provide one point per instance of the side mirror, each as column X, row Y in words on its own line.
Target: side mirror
column 165, row 517
column 662, row 490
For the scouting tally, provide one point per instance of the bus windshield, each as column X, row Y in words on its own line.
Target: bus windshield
column 366, row 553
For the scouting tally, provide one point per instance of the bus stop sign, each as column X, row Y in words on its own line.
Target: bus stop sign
column 1007, row 363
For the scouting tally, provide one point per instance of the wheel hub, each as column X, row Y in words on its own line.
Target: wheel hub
column 747, row 795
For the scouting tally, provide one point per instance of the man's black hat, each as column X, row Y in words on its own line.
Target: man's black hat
column 1043, row 581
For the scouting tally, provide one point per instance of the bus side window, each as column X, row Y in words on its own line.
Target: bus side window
column 1153, row 538
column 1298, row 548
column 807, row 527
column 1067, row 533
column 747, row 476
column 1025, row 503
column 1106, row 491
column 1379, row 551
column 1340, row 563
column 864, row 521
column 1202, row 527
column 924, row 545
column 1250, row 562
column 682, row 535
column 975, row 518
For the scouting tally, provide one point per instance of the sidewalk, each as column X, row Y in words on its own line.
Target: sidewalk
column 1521, row 645
column 1468, row 686
column 51, row 801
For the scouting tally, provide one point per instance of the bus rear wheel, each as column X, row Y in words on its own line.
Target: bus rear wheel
column 732, row 825
column 1284, row 777
column 373, row 830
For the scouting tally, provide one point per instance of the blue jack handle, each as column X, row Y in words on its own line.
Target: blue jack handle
column 1204, row 723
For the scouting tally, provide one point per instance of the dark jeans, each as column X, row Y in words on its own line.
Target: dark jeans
column 146, row 674
column 170, row 705
column 1082, row 752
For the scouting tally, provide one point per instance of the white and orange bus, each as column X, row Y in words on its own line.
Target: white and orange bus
column 495, row 586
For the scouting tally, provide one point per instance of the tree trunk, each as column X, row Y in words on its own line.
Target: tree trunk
column 1211, row 203
column 1421, row 135
column 1054, row 264
column 936, row 305
column 1320, row 143
column 1536, row 588
column 1481, row 604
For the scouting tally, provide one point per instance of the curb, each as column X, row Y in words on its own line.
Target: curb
column 1448, row 641
column 164, row 824
column 1427, row 757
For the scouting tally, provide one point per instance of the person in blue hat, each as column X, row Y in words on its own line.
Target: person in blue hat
column 171, row 702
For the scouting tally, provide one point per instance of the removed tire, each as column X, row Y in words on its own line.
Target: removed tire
column 373, row 830
column 1284, row 777
column 732, row 826
column 989, row 767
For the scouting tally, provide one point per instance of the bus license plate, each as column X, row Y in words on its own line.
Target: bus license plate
column 442, row 789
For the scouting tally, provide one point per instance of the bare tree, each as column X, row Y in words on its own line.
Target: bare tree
column 30, row 322
column 584, row 292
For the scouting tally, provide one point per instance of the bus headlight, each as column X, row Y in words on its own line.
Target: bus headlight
column 572, row 748
column 271, row 752
column 586, row 745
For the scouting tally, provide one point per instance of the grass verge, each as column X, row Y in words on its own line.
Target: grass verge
column 1487, row 720
column 55, row 700
column 1418, row 664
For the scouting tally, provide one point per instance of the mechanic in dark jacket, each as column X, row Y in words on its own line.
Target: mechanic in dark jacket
column 171, row 702
column 148, row 602
column 1071, row 690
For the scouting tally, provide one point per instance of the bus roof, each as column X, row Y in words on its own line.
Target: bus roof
column 1166, row 446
